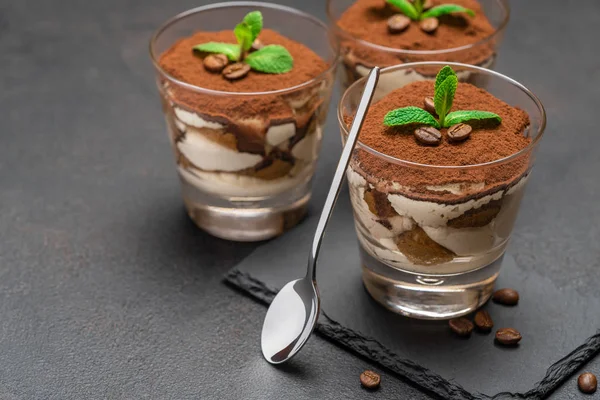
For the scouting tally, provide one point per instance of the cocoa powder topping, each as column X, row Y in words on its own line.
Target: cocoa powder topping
column 252, row 114
column 367, row 20
column 186, row 65
column 486, row 143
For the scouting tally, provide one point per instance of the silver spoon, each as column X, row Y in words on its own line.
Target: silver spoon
column 292, row 315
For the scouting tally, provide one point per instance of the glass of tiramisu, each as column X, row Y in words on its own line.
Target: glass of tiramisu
column 391, row 32
column 435, row 184
column 245, row 88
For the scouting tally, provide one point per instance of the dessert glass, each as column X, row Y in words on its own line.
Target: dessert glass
column 255, row 188
column 359, row 56
column 437, row 255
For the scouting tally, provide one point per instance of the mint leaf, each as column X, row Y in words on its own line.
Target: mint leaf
column 243, row 34
column 418, row 4
column 457, row 117
column 409, row 115
column 232, row 51
column 444, row 9
column 442, row 75
column 272, row 59
column 406, row 7
column 254, row 21
column 444, row 97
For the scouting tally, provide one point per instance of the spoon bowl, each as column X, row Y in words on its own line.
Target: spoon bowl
column 284, row 332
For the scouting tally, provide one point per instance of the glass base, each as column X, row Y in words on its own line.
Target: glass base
column 248, row 220
column 424, row 296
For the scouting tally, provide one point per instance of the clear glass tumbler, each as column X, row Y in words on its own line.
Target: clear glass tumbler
column 359, row 56
column 256, row 189
column 433, row 259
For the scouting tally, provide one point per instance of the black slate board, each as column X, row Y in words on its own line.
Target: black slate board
column 560, row 328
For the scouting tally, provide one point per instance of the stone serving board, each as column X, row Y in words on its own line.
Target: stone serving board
column 559, row 328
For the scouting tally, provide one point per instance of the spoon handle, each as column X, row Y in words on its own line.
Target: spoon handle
column 340, row 171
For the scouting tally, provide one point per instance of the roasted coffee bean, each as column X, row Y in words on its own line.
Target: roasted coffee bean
column 236, row 71
column 370, row 379
column 459, row 132
column 257, row 45
column 429, row 25
column 215, row 62
column 587, row 383
column 398, row 23
column 483, row 321
column 461, row 326
column 428, row 135
column 508, row 297
column 508, row 336
column 429, row 106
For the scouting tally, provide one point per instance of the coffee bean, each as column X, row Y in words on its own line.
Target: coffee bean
column 508, row 336
column 429, row 25
column 236, row 71
column 429, row 106
column 215, row 62
column 587, row 383
column 459, row 132
column 428, row 135
column 257, row 45
column 370, row 379
column 508, row 297
column 461, row 326
column 483, row 321
column 398, row 23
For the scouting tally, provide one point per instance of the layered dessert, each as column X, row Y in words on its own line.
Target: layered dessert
column 437, row 200
column 385, row 33
column 246, row 121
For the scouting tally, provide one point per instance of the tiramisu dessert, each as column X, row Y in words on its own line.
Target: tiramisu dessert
column 391, row 32
column 245, row 109
column 435, row 211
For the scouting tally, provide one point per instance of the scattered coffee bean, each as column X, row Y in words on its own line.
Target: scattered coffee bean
column 508, row 336
column 483, row 321
column 236, row 71
column 429, row 106
column 428, row 135
column 370, row 379
column 508, row 297
column 398, row 23
column 587, row 383
column 429, row 25
column 461, row 326
column 257, row 45
column 459, row 132
column 215, row 62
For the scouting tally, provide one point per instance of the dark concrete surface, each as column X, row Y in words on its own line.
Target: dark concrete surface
column 108, row 291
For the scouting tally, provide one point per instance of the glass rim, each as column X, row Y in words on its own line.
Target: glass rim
column 173, row 20
column 335, row 27
column 394, row 160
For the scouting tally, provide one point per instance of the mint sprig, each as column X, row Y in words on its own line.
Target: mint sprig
column 272, row 59
column 254, row 21
column 415, row 10
column 444, row 9
column 446, row 83
column 232, row 51
column 409, row 115
column 457, row 117
column 444, row 97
